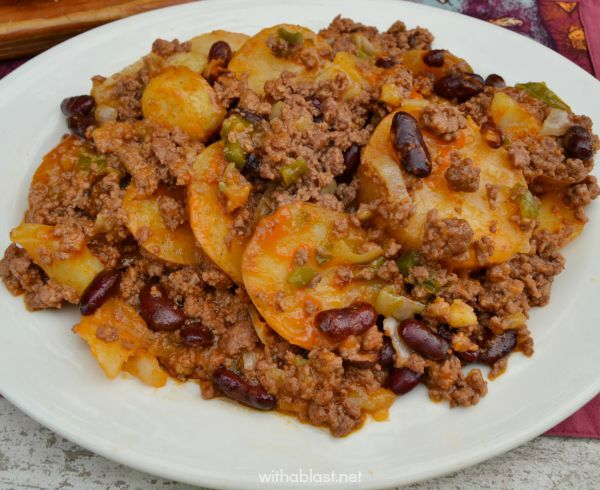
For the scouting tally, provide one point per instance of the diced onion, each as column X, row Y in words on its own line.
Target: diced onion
column 461, row 314
column 556, row 124
column 390, row 328
column 343, row 252
column 249, row 360
column 514, row 321
column 105, row 113
column 364, row 45
column 390, row 304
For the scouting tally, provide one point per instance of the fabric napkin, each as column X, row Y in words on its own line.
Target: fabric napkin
column 571, row 28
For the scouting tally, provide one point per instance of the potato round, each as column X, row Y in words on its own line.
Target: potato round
column 146, row 224
column 76, row 270
column 256, row 60
column 269, row 259
column 556, row 217
column 197, row 57
column 413, row 60
column 181, row 98
column 210, row 221
column 121, row 320
column 381, row 177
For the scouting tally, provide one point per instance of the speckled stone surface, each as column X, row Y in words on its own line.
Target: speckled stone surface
column 32, row 457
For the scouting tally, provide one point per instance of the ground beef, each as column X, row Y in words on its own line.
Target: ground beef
column 165, row 49
column 317, row 133
column 443, row 120
column 446, row 238
column 172, row 212
column 128, row 91
column 21, row 275
column 543, row 162
column 339, row 34
column 107, row 333
column 150, row 153
column 398, row 76
column 228, row 88
column 446, row 381
column 342, row 35
column 423, row 84
column 484, row 249
column 478, row 107
column 580, row 195
column 462, row 175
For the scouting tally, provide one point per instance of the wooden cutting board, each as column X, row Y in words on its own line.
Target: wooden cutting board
column 30, row 26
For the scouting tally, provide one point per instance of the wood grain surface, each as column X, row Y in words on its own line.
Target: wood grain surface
column 30, row 26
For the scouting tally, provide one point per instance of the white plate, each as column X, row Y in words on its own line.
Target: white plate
column 48, row 372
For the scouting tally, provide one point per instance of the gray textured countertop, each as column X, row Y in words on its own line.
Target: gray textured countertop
column 36, row 458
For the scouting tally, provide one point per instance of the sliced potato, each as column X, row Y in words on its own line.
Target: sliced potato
column 270, row 273
column 381, row 177
column 361, row 74
column 263, row 331
column 146, row 224
column 413, row 60
column 210, row 221
column 376, row 404
column 555, row 216
column 146, row 368
column 510, row 117
column 71, row 153
column 104, row 93
column 114, row 333
column 195, row 59
column 256, row 60
column 76, row 270
column 181, row 98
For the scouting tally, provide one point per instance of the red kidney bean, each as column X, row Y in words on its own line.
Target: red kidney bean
column 420, row 338
column 194, row 334
column 408, row 142
column 385, row 62
column 220, row 51
column 351, row 163
column 79, row 104
column 387, row 354
column 233, row 386
column 491, row 134
column 468, row 356
column 460, row 86
column 496, row 347
column 475, row 76
column 78, row 123
column 158, row 310
column 341, row 322
column 434, row 57
column 403, row 380
column 577, row 143
column 98, row 291
column 494, row 80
